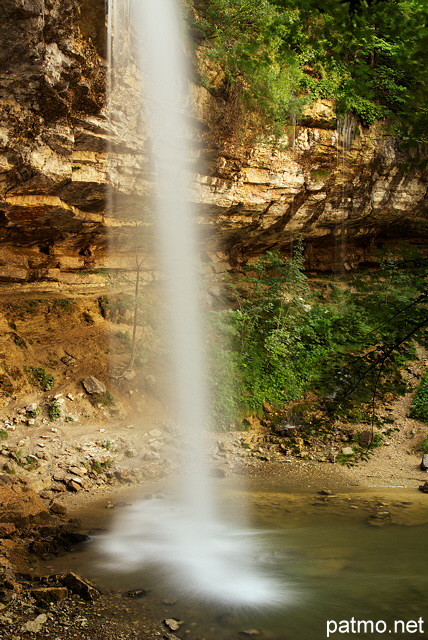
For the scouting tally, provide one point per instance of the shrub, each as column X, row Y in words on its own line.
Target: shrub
column 55, row 410
column 348, row 341
column 419, row 406
column 39, row 378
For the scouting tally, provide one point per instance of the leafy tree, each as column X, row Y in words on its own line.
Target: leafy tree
column 347, row 343
column 370, row 56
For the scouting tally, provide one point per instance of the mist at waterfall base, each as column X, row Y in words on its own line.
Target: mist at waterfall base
column 185, row 537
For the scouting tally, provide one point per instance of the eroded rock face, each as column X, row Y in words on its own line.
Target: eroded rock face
column 344, row 191
column 342, row 188
column 52, row 87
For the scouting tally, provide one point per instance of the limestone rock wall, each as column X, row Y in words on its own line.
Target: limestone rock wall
column 52, row 179
column 343, row 190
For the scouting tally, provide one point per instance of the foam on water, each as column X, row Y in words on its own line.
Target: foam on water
column 208, row 560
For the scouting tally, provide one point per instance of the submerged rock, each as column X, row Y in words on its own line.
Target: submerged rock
column 172, row 623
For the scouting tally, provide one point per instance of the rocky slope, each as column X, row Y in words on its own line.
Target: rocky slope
column 343, row 188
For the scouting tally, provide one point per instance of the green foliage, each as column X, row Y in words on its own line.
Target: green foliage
column 124, row 337
column 97, row 466
column 104, row 444
column 33, row 413
column 419, row 406
column 361, row 453
column 3, row 434
column 106, row 399
column 39, row 378
column 64, row 303
column 20, row 342
column 270, row 57
column 348, row 341
column 423, row 446
column 243, row 39
column 54, row 410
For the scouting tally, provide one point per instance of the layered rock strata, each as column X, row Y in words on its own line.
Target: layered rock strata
column 344, row 189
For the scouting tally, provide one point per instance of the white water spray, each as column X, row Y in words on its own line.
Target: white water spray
column 206, row 556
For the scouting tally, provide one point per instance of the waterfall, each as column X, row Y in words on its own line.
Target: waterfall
column 202, row 553
column 346, row 131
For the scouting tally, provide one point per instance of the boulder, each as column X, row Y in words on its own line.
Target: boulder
column 81, row 587
column 93, row 385
column 424, row 462
column 20, row 505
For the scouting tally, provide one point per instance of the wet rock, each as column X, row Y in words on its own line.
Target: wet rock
column 49, row 594
column 365, row 438
column 251, row 633
column 156, row 445
column 42, row 548
column 424, row 462
column 379, row 519
column 152, row 455
column 12, row 585
column 251, row 421
column 173, row 623
column 136, row 593
column 93, row 385
column 79, row 586
column 7, row 529
column 155, row 433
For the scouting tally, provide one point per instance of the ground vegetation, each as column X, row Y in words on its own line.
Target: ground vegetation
column 346, row 339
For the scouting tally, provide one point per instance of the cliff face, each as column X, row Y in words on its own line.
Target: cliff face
column 52, row 84
column 341, row 189
column 345, row 190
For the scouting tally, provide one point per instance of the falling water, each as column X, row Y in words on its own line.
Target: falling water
column 209, row 557
column 346, row 127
